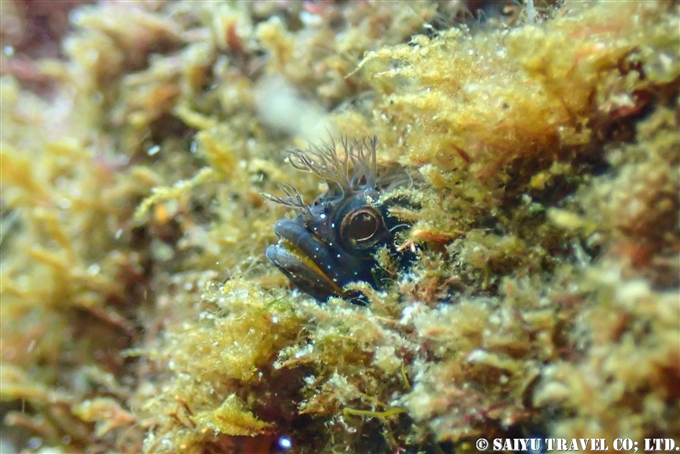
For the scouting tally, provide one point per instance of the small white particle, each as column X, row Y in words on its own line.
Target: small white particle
column 285, row 443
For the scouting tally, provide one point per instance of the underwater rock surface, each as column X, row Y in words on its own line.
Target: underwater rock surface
column 140, row 312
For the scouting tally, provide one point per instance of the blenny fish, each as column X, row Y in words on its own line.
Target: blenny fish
column 332, row 242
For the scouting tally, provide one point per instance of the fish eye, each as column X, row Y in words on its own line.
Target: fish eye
column 361, row 227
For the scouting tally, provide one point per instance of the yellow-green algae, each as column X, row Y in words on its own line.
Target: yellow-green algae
column 139, row 312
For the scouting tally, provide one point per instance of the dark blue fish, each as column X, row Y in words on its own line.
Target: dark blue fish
column 332, row 242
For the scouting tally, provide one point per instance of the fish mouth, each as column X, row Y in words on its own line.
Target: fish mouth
column 306, row 261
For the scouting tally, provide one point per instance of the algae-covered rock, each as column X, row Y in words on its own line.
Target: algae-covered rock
column 540, row 298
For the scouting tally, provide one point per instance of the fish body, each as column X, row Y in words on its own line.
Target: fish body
column 332, row 242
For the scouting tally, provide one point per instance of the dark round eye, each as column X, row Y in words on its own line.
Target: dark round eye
column 361, row 227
